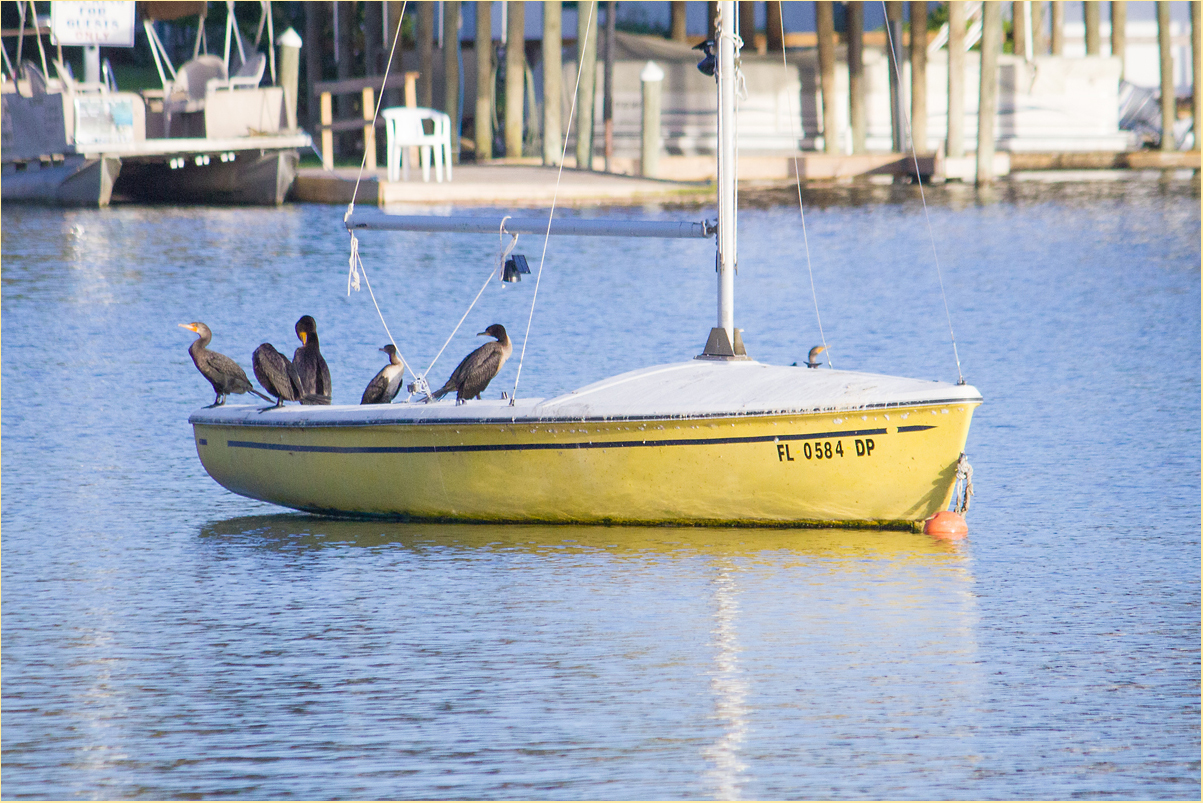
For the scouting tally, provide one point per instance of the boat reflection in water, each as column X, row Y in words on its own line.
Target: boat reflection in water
column 730, row 654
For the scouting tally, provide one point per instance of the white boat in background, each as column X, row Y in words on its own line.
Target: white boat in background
column 208, row 135
column 720, row 439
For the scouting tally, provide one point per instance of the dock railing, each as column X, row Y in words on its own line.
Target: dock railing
column 325, row 91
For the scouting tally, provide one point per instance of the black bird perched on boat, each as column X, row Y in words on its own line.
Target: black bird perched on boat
column 472, row 376
column 276, row 374
column 223, row 374
column 310, row 365
column 384, row 385
column 812, row 360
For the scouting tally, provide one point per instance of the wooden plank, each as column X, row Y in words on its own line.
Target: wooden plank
column 349, row 85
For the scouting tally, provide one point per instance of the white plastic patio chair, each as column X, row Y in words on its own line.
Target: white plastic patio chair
column 404, row 130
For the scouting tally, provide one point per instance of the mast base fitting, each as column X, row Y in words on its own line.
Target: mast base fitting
column 719, row 347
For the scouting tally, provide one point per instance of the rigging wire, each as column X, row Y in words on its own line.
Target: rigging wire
column 581, row 46
column 421, row 385
column 356, row 264
column 801, row 212
column 922, row 196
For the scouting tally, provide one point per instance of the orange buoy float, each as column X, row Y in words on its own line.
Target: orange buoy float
column 946, row 524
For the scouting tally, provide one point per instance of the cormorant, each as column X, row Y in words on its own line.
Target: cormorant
column 384, row 385
column 473, row 375
column 276, row 374
column 812, row 360
column 223, row 373
column 314, row 373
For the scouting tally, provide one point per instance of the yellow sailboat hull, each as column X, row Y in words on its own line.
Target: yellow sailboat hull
column 878, row 468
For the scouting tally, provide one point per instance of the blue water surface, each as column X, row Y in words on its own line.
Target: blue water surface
column 163, row 638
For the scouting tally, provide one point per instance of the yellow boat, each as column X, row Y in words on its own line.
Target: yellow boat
column 721, row 439
column 698, row 442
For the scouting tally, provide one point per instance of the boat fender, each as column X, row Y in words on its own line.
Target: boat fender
column 946, row 525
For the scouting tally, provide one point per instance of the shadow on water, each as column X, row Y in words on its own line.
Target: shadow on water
column 301, row 532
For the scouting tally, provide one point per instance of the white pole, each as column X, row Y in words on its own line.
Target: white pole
column 726, row 168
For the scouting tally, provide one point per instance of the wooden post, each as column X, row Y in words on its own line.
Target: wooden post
column 515, row 77
column 425, row 34
column 856, row 74
column 1039, row 40
column 1019, row 22
column 774, row 32
column 1058, row 27
column 988, row 91
column 608, row 85
column 747, row 25
column 894, row 59
column 677, row 13
column 1091, row 12
column 553, row 80
column 290, row 68
column 1169, row 112
column 1196, row 70
column 711, row 16
column 586, row 10
column 392, row 16
column 369, row 129
column 327, row 134
column 411, row 88
column 1119, row 35
column 825, row 30
column 919, row 76
column 955, row 145
column 373, row 41
column 652, row 79
column 314, row 14
column 451, row 100
column 484, row 81
column 344, row 13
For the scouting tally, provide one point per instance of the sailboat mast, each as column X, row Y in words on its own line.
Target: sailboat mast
column 726, row 168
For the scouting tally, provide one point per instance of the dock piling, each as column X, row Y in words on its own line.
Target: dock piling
column 856, row 73
column 289, row 43
column 894, row 57
column 586, row 43
column 327, row 135
column 451, row 101
column 1119, row 38
column 1091, row 11
column 677, row 24
column 988, row 93
column 774, row 33
column 652, row 79
column 484, row 80
column 515, row 76
column 1057, row 26
column 1196, row 71
column 919, row 75
column 1169, row 111
column 955, row 145
column 553, row 79
column 425, row 35
column 825, row 31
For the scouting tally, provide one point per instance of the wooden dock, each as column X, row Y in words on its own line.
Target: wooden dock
column 688, row 179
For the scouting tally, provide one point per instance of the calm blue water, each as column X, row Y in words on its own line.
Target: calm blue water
column 163, row 638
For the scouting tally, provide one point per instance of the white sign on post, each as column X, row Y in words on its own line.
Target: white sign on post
column 87, row 22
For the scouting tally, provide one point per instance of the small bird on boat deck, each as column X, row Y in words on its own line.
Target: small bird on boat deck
column 384, row 386
column 223, row 374
column 472, row 376
column 812, row 360
column 276, row 374
column 310, row 365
